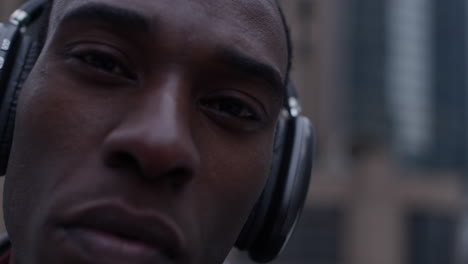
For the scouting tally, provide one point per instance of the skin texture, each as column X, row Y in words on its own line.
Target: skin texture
column 164, row 123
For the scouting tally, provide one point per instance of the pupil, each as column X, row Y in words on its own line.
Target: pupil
column 100, row 62
column 232, row 108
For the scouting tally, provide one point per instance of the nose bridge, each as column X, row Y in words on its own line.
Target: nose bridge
column 162, row 116
column 163, row 111
column 156, row 137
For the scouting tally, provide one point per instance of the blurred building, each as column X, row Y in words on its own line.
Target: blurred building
column 7, row 6
column 385, row 83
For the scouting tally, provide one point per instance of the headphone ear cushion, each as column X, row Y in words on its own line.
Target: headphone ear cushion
column 289, row 191
column 24, row 62
column 257, row 218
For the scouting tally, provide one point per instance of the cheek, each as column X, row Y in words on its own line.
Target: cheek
column 58, row 119
column 50, row 137
column 238, row 173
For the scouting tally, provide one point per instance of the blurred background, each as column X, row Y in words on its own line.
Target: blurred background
column 385, row 82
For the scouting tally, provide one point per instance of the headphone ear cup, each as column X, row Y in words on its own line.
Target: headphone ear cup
column 257, row 217
column 19, row 56
column 26, row 56
column 289, row 186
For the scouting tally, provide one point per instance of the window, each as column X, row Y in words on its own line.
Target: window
column 431, row 238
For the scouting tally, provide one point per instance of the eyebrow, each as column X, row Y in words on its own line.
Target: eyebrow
column 131, row 20
column 112, row 15
column 253, row 67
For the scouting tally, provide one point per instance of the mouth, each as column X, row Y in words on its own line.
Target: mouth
column 122, row 235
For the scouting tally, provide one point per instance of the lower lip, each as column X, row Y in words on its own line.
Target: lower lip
column 107, row 247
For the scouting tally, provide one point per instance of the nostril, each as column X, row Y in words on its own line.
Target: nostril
column 174, row 174
column 152, row 154
column 179, row 176
column 121, row 160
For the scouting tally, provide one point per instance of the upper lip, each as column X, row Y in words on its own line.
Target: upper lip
column 120, row 220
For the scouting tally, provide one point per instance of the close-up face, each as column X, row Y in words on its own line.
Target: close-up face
column 144, row 132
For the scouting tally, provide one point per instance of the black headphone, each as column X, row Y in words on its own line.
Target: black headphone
column 273, row 218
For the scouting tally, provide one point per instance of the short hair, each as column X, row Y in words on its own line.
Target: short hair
column 43, row 24
column 288, row 42
column 45, row 18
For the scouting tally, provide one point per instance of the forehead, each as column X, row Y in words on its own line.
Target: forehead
column 253, row 26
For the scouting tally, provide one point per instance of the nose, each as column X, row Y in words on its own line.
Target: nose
column 154, row 141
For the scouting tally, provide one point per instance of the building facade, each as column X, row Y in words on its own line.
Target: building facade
column 385, row 83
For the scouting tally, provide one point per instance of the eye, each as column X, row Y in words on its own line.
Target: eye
column 231, row 107
column 103, row 61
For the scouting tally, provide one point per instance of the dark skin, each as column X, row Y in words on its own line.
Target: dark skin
column 145, row 135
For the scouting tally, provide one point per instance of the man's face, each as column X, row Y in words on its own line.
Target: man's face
column 144, row 133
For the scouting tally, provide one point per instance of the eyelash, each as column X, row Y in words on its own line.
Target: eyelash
column 224, row 106
column 104, row 62
column 231, row 107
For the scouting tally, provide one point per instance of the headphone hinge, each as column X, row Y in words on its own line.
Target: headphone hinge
column 294, row 107
column 19, row 17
